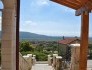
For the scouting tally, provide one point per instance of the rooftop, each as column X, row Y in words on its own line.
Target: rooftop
column 67, row 41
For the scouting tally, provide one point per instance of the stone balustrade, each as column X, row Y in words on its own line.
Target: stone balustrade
column 58, row 63
column 75, row 52
column 29, row 59
column 54, row 60
column 49, row 60
column 24, row 63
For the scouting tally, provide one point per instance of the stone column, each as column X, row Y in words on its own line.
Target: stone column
column 58, row 63
column 29, row 59
column 8, row 49
column 49, row 60
column 75, row 52
column 54, row 60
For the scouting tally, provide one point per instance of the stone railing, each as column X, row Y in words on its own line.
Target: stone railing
column 23, row 63
column 58, row 63
column 75, row 52
column 55, row 61
column 50, row 60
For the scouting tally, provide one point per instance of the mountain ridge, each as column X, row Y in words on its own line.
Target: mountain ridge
column 38, row 37
column 33, row 36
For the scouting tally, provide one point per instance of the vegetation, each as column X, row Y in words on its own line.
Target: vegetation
column 39, row 48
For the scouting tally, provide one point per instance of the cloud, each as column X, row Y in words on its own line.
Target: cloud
column 40, row 2
column 67, row 10
column 31, row 23
column 27, row 25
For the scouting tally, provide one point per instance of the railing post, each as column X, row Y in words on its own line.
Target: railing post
column 54, row 60
column 58, row 63
column 75, row 53
column 29, row 59
column 49, row 60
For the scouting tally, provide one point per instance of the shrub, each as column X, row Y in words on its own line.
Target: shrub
column 40, row 56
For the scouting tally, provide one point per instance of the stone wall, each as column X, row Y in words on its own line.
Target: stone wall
column 23, row 63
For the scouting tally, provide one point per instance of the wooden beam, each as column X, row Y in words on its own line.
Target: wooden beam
column 89, row 4
column 84, row 41
column 82, row 2
column 74, row 2
column 66, row 3
column 81, row 10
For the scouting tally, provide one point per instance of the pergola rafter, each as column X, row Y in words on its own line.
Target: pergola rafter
column 75, row 4
column 83, row 8
column 67, row 3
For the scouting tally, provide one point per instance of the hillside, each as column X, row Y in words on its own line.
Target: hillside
column 33, row 36
column 36, row 37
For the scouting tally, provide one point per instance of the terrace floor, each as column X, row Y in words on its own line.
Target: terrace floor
column 42, row 66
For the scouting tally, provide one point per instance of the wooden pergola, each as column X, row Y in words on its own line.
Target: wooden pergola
column 83, row 8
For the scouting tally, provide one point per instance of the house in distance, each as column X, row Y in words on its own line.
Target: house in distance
column 64, row 48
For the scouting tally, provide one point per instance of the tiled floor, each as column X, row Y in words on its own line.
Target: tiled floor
column 42, row 67
column 89, row 65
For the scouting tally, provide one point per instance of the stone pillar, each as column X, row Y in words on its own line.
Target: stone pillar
column 75, row 52
column 54, row 60
column 29, row 59
column 49, row 60
column 8, row 49
column 58, row 63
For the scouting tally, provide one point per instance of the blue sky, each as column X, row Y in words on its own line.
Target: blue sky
column 49, row 18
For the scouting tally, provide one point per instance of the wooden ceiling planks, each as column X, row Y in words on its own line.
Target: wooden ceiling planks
column 83, row 1
column 89, row 4
column 74, row 4
column 67, row 3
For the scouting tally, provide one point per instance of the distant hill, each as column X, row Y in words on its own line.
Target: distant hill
column 37, row 37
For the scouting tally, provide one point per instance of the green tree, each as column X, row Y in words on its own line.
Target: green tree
column 26, row 46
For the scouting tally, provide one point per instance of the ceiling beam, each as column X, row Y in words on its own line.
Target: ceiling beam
column 73, row 2
column 83, row 2
column 89, row 4
column 67, row 3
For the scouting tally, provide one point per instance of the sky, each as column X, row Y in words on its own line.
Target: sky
column 48, row 18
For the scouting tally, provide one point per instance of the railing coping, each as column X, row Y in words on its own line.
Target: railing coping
column 75, row 45
column 29, row 55
column 55, row 54
column 58, row 57
column 49, row 55
column 25, row 56
column 34, row 55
